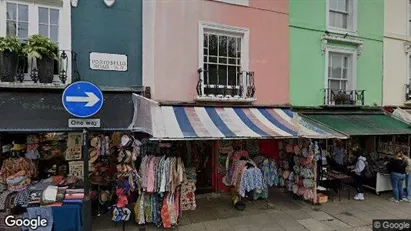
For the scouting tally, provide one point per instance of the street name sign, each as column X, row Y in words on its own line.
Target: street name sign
column 84, row 123
column 82, row 99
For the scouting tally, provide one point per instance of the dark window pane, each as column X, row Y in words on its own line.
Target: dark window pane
column 222, row 46
column 222, row 74
column 232, row 75
column 11, row 28
column 205, row 58
column 212, row 59
column 238, row 61
column 222, row 61
column 238, row 75
column 11, row 11
column 232, row 47
column 23, row 32
column 43, row 15
column 212, row 74
column 54, row 17
column 205, row 51
column 205, row 74
column 205, row 40
column 213, row 44
column 232, row 61
column 23, row 13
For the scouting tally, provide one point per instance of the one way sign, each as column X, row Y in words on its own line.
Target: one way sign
column 82, row 99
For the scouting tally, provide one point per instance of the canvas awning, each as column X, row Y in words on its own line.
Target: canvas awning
column 354, row 124
column 208, row 122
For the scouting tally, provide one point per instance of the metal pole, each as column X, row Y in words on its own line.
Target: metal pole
column 87, row 225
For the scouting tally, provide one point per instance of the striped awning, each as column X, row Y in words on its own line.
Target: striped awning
column 193, row 122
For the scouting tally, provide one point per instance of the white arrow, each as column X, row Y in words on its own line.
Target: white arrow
column 91, row 99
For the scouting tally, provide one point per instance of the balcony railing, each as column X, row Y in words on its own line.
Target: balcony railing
column 344, row 97
column 32, row 71
column 243, row 89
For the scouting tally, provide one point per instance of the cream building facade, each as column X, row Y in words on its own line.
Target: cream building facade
column 397, row 51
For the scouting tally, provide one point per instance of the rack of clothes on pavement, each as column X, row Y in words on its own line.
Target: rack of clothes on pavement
column 160, row 190
column 249, row 177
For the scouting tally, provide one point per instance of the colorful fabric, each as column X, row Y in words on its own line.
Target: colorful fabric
column 251, row 179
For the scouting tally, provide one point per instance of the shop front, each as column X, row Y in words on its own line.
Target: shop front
column 377, row 134
column 231, row 146
column 42, row 158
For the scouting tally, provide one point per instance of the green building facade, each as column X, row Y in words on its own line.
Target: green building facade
column 336, row 52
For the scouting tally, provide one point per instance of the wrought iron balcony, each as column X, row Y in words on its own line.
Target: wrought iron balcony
column 32, row 71
column 343, row 97
column 240, row 87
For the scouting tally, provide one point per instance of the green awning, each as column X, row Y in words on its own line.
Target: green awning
column 362, row 124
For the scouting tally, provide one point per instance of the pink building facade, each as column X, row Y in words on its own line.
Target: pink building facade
column 228, row 51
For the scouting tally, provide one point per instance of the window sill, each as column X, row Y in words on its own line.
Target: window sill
column 341, row 31
column 32, row 85
column 222, row 99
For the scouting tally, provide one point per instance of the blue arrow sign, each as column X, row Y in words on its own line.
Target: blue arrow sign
column 82, row 99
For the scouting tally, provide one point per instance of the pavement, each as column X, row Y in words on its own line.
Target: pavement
column 280, row 212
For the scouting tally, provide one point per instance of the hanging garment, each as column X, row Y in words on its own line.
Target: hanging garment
column 187, row 198
column 252, row 179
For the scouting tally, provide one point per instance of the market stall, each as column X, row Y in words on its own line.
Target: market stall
column 43, row 174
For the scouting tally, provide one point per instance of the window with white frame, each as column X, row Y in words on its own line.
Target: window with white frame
column 340, row 71
column 342, row 15
column 17, row 23
column 49, row 23
column 225, row 56
column 23, row 19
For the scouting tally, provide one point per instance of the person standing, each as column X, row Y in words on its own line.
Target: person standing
column 359, row 177
column 396, row 169
column 408, row 177
column 338, row 155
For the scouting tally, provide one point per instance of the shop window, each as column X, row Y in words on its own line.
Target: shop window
column 342, row 15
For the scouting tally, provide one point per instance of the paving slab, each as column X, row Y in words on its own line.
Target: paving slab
column 314, row 225
column 320, row 215
column 218, row 225
column 336, row 224
column 297, row 214
column 192, row 227
column 350, row 219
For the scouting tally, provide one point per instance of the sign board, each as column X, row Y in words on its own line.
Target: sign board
column 82, row 99
column 84, row 123
column 108, row 62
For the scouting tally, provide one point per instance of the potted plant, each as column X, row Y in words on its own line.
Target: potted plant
column 341, row 98
column 10, row 49
column 45, row 52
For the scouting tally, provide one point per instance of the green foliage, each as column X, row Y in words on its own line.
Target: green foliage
column 40, row 46
column 11, row 44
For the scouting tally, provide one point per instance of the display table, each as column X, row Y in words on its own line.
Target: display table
column 66, row 217
column 382, row 183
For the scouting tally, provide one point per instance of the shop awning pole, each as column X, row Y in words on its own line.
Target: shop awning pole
column 87, row 224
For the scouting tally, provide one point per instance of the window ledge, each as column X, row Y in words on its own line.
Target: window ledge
column 222, row 99
column 326, row 38
column 342, row 32
column 31, row 85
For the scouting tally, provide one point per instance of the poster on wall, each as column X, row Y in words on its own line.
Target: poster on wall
column 73, row 151
column 76, row 169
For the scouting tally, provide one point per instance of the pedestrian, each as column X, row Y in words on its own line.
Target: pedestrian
column 359, row 174
column 339, row 154
column 408, row 177
column 396, row 169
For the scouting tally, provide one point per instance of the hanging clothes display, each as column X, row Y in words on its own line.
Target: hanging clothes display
column 297, row 167
column 159, row 197
column 270, row 175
